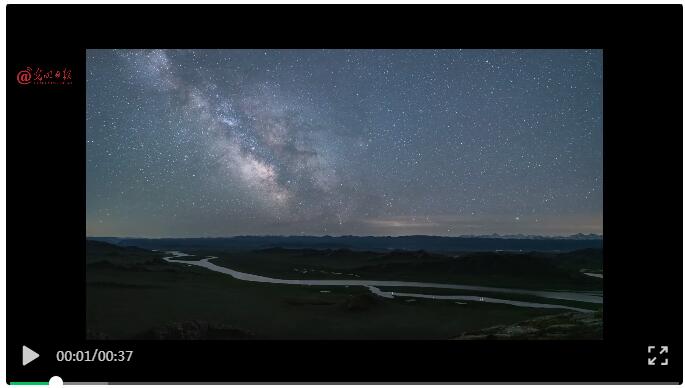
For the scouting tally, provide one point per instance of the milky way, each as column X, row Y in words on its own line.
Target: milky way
column 343, row 142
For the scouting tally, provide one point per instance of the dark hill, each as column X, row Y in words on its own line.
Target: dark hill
column 581, row 259
column 98, row 251
column 428, row 243
column 513, row 269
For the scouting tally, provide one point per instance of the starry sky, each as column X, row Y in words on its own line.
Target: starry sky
column 208, row 143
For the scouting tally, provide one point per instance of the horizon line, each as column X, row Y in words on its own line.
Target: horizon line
column 492, row 235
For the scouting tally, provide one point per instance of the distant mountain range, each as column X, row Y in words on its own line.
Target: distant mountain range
column 430, row 243
column 577, row 236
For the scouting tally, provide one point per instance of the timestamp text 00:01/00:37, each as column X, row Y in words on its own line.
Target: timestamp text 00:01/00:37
column 95, row 355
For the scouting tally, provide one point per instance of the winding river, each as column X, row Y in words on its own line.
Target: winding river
column 372, row 285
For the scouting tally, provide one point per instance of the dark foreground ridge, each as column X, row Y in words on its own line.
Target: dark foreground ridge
column 195, row 330
column 550, row 327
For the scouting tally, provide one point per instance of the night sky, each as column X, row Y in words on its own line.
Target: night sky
column 194, row 143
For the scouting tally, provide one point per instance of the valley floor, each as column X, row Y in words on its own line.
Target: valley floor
column 148, row 298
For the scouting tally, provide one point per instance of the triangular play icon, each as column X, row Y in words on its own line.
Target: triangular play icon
column 28, row 355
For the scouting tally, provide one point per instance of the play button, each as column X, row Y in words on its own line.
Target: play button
column 28, row 355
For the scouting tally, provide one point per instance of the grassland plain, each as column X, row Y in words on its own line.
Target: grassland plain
column 133, row 293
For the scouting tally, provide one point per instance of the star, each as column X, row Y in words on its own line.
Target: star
column 358, row 142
